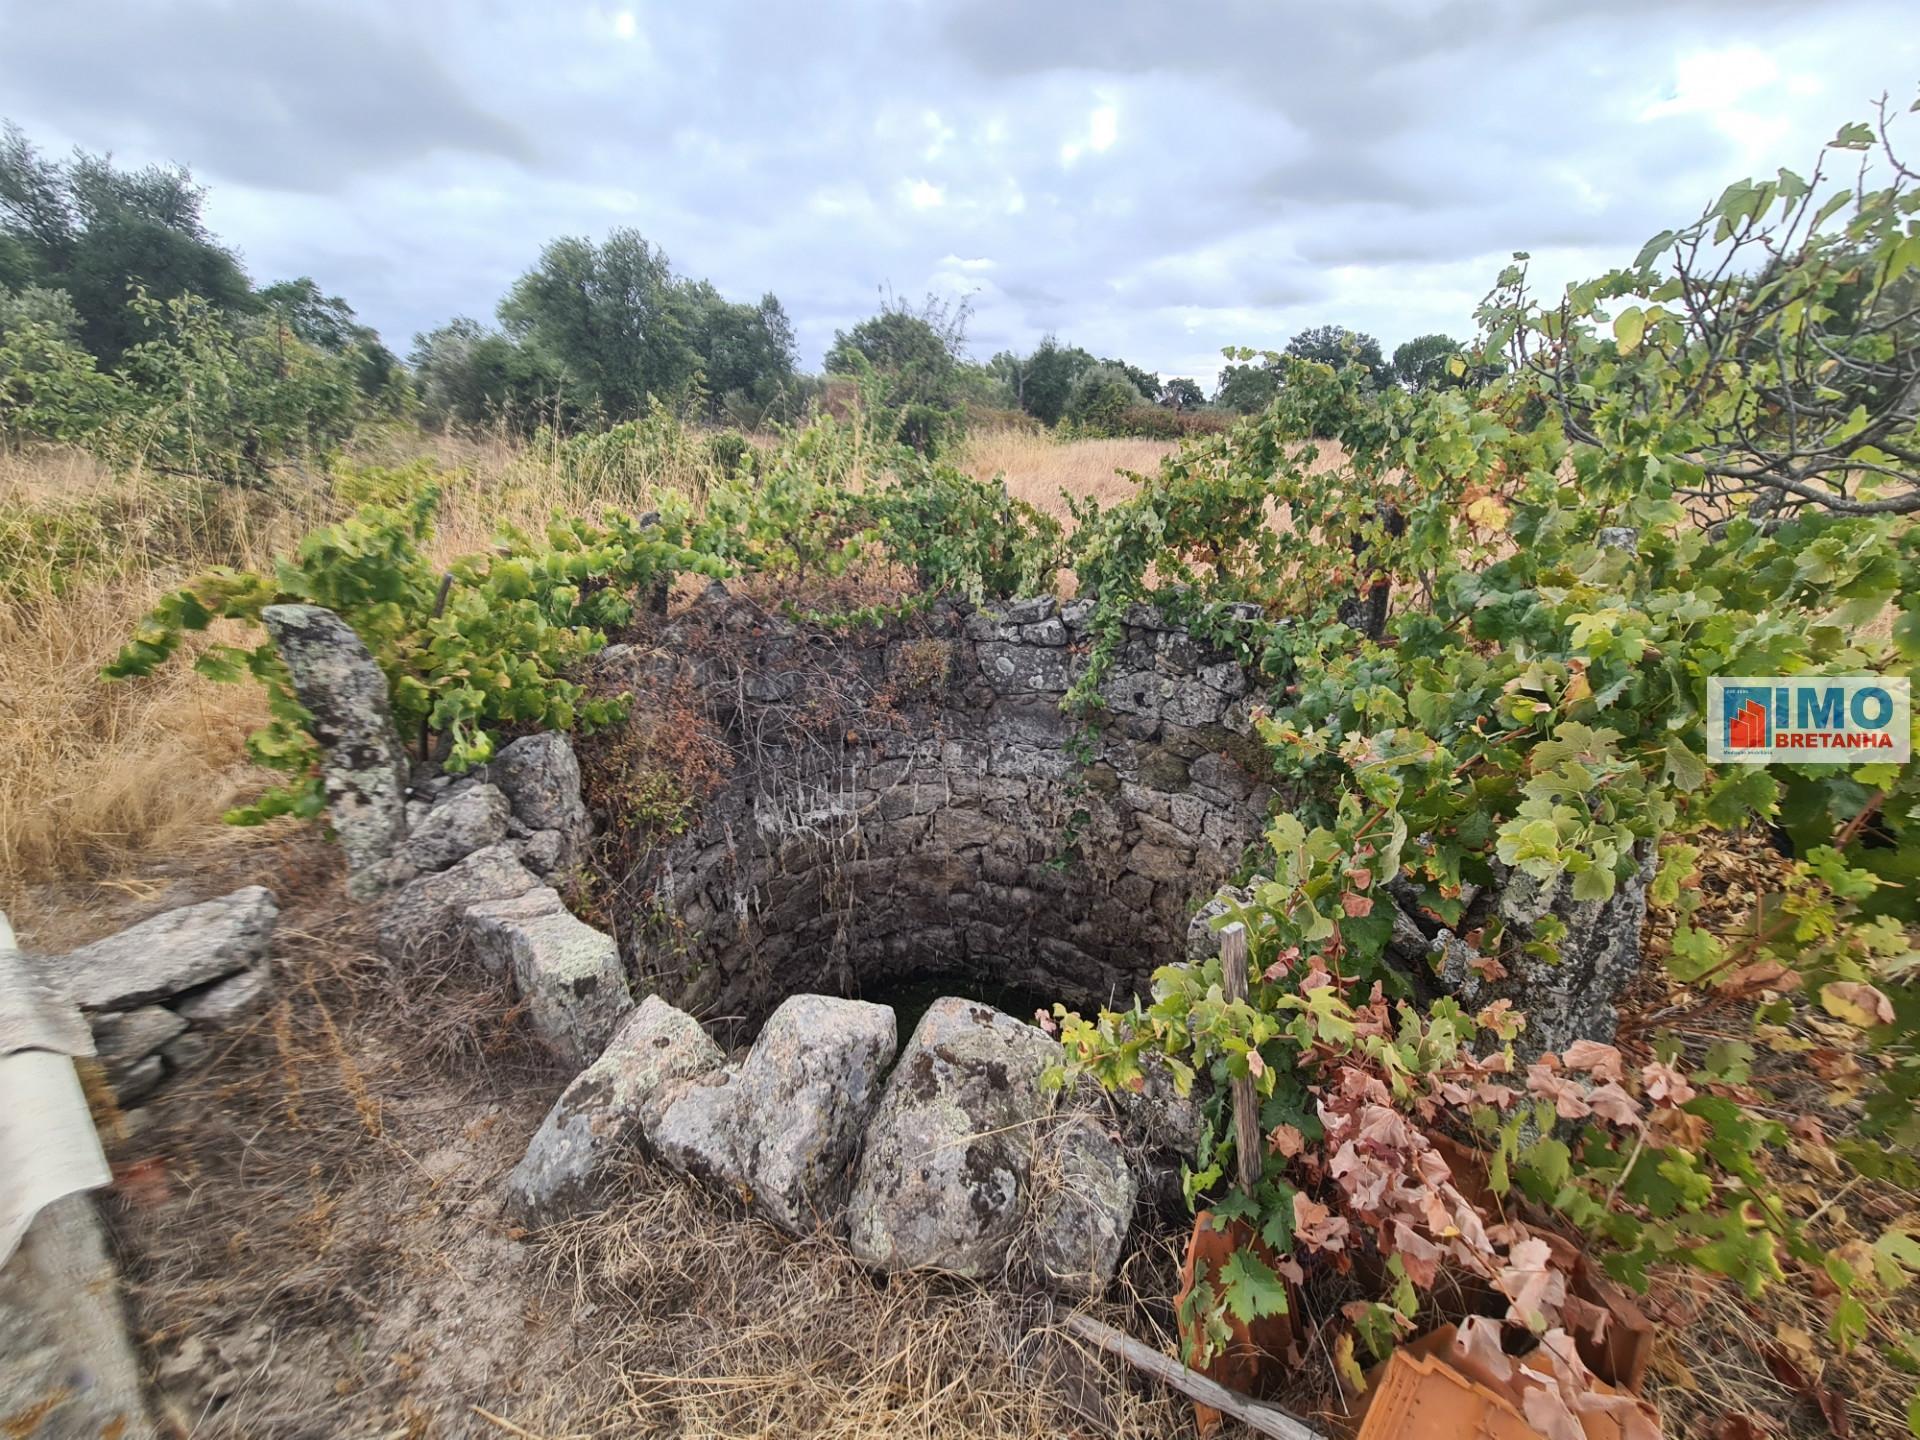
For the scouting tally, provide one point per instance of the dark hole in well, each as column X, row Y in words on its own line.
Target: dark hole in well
column 911, row 995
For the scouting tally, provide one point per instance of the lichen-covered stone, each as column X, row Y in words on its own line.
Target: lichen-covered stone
column 176, row 951
column 541, row 778
column 943, row 1174
column 425, row 920
column 469, row 820
column 786, row 1123
column 1084, row 1206
column 363, row 765
column 601, row 1118
column 568, row 973
column 1575, row 995
column 137, row 1081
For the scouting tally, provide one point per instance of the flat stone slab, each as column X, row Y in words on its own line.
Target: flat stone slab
column 123, row 1038
column 568, row 973
column 426, row 920
column 603, row 1115
column 229, row 1000
column 176, row 951
column 943, row 1178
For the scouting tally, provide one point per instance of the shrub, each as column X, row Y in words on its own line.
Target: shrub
column 1156, row 422
column 491, row 649
column 1099, row 397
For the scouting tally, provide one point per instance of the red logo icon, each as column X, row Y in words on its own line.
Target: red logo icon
column 1747, row 729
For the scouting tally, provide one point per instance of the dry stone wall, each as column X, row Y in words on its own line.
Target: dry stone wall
column 972, row 830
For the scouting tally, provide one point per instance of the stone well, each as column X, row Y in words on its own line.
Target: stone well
column 945, row 818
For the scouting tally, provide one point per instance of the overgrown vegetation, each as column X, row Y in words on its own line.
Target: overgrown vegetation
column 1469, row 681
column 1537, row 705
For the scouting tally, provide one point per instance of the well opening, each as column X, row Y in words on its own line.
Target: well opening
column 906, row 810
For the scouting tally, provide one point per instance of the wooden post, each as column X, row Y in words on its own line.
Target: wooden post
column 1246, row 1106
column 1264, row 1419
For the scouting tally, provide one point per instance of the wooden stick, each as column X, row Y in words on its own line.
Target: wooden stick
column 1246, row 1108
column 504, row 1423
column 1264, row 1419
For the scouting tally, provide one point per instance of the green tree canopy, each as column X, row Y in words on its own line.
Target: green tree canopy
column 1046, row 378
column 1249, row 386
column 606, row 318
column 746, row 352
column 1101, row 395
column 468, row 374
column 328, row 323
column 1146, row 382
column 1337, row 346
column 910, row 360
column 95, row 231
column 1421, row 363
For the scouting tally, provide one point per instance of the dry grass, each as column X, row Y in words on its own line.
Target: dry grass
column 1037, row 467
column 94, row 777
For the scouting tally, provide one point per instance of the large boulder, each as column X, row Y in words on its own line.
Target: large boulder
column 362, row 763
column 1083, row 1206
column 426, row 920
column 568, row 973
column 180, row 950
column 541, row 779
column 600, row 1119
column 943, row 1177
column 786, row 1123
column 465, row 821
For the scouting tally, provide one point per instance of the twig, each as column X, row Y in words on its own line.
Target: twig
column 1263, row 1419
column 504, row 1424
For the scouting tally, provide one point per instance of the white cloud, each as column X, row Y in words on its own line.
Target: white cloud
column 924, row 195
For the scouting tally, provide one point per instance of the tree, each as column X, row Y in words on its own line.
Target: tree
column 746, row 352
column 1048, row 376
column 1337, row 346
column 608, row 319
column 1248, row 387
column 470, row 375
column 225, row 398
column 1146, row 382
column 908, row 359
column 328, row 323
column 1421, row 363
column 1180, row 393
column 96, row 232
column 1101, row 396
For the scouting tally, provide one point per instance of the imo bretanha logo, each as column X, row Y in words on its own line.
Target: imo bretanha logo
column 1809, row 720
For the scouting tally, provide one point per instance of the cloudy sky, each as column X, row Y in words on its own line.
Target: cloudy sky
column 1151, row 180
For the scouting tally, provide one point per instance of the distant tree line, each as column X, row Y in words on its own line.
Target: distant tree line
column 122, row 316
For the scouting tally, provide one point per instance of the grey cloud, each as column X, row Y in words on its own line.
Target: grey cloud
column 1270, row 167
column 289, row 95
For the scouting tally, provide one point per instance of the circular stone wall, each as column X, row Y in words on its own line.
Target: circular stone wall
column 911, row 801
